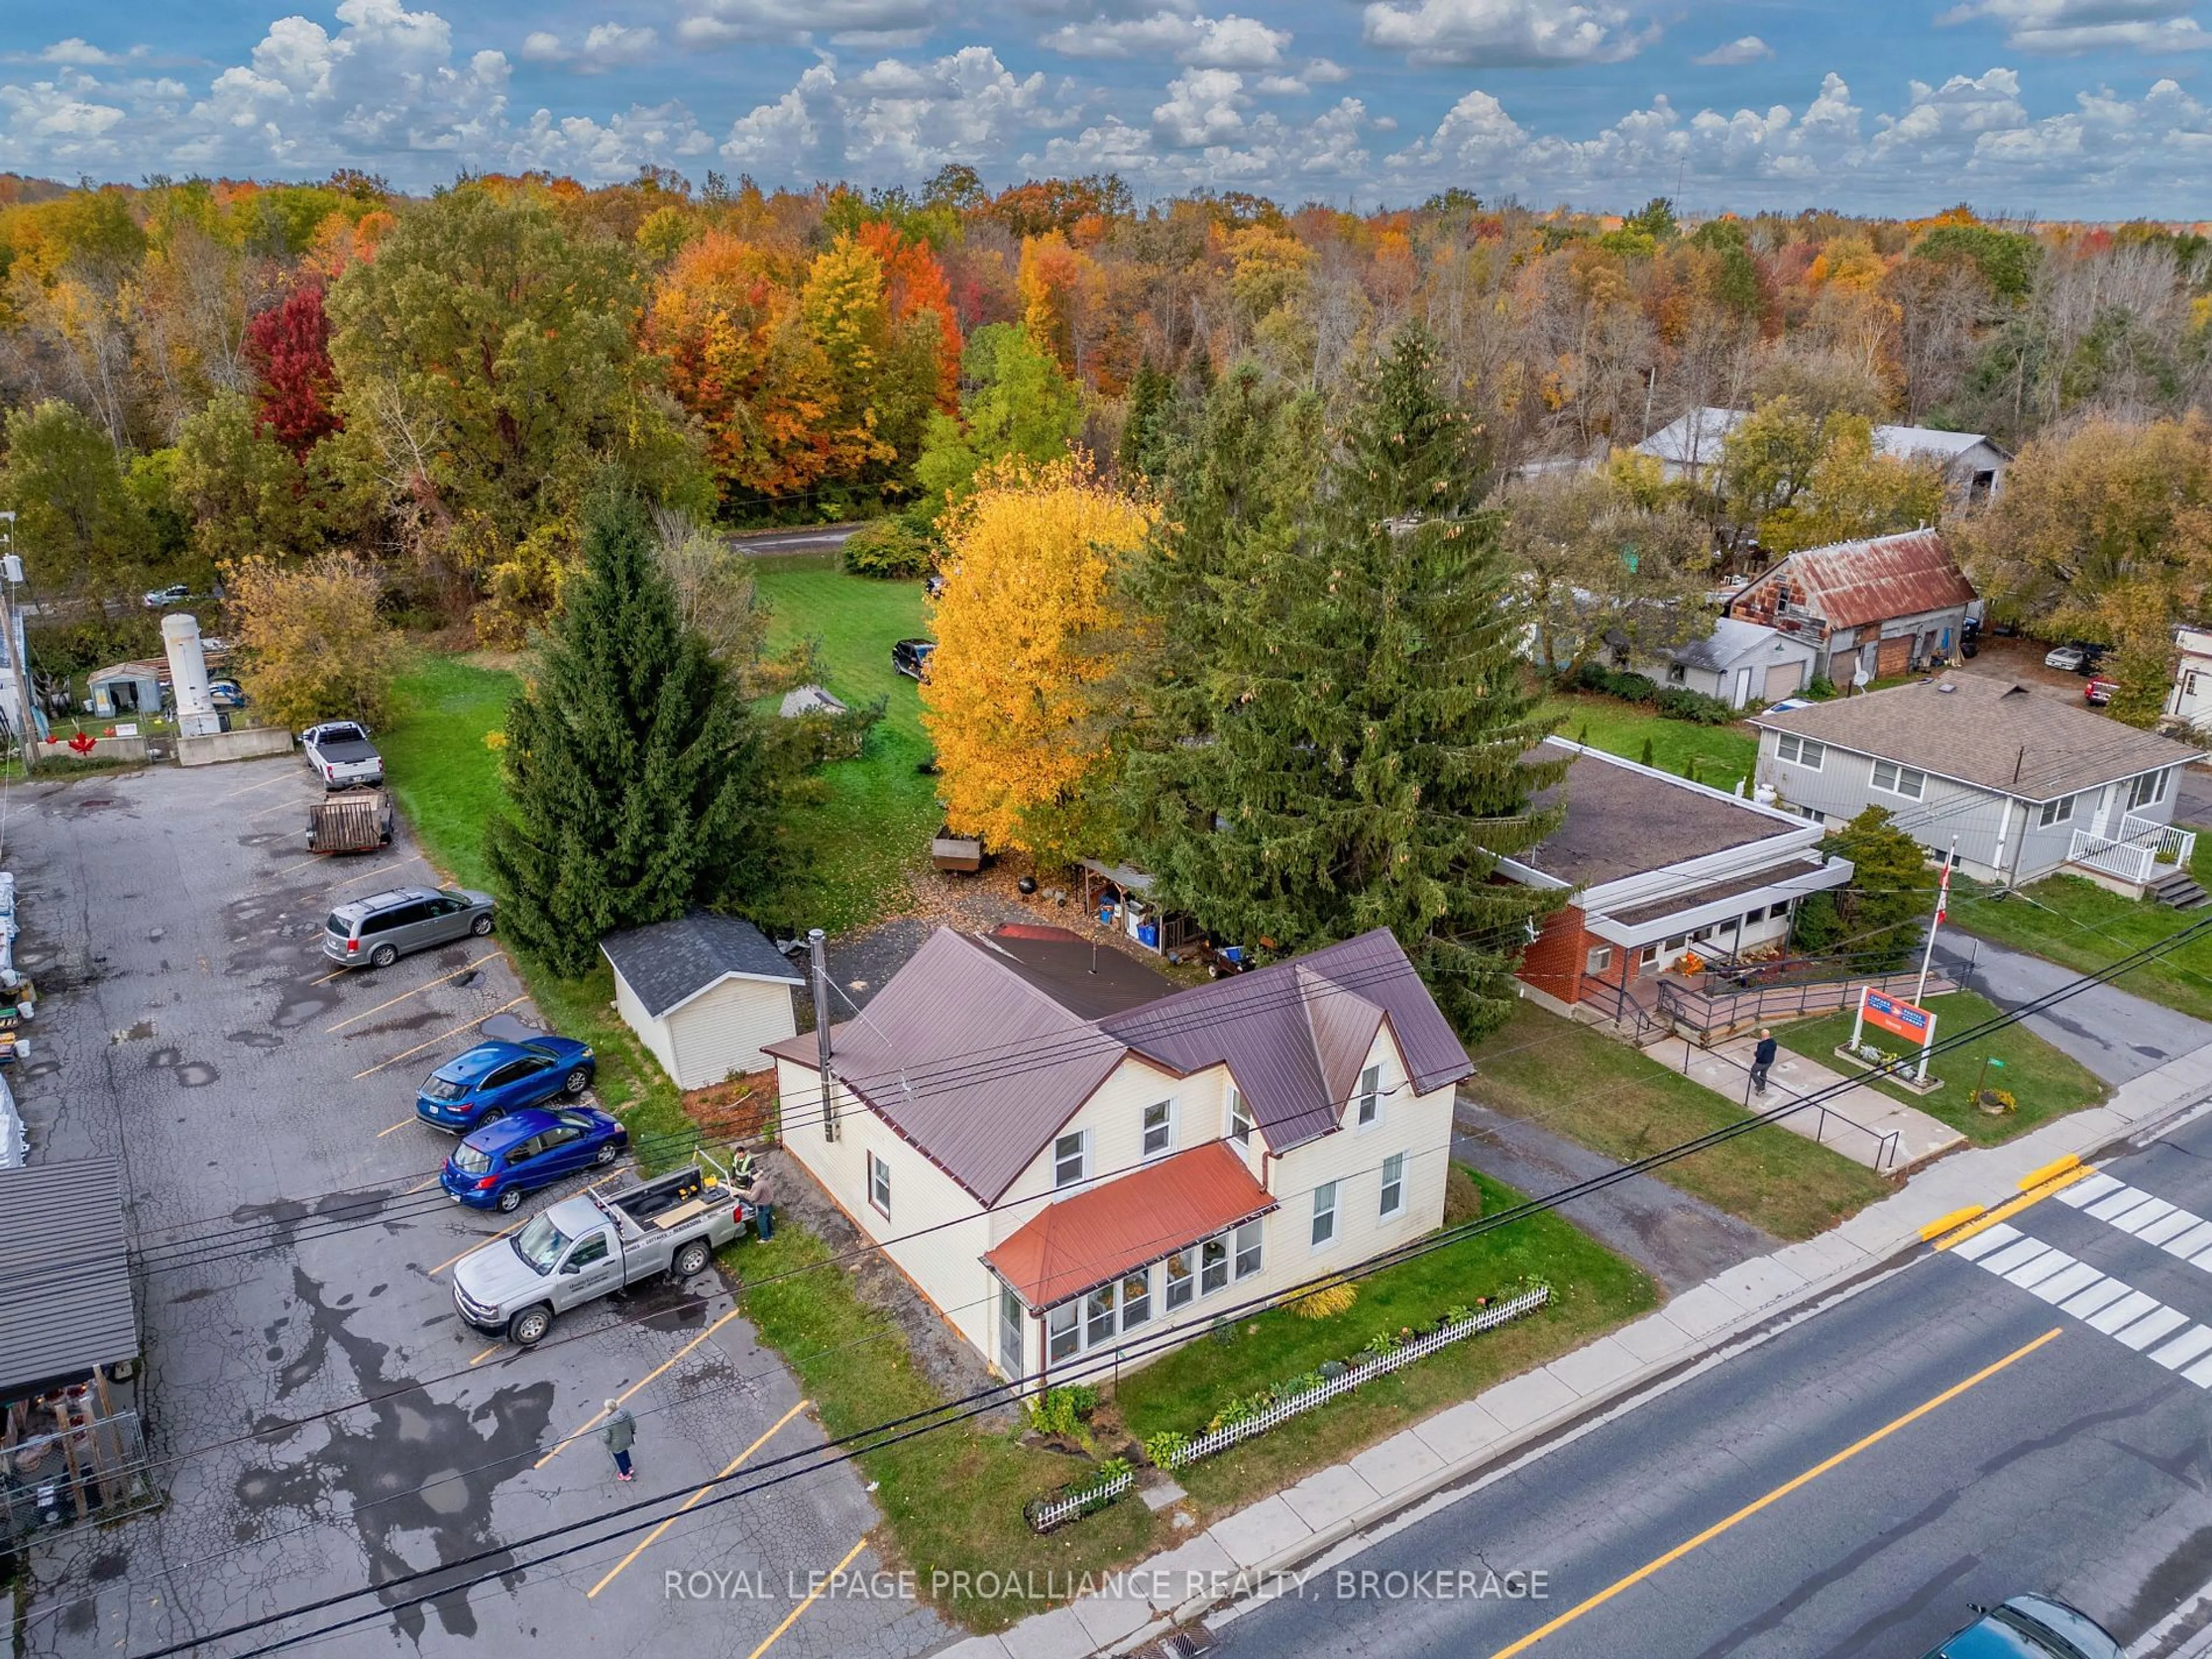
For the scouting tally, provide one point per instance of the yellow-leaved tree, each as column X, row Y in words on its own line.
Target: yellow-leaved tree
column 315, row 648
column 1026, row 634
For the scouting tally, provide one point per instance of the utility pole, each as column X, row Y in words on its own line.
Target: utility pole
column 1942, row 904
column 817, row 973
column 11, row 572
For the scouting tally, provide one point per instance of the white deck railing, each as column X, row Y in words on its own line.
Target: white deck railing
column 2137, row 853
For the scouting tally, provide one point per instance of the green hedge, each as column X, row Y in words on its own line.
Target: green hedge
column 887, row 547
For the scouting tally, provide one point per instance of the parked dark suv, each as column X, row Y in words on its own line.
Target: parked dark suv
column 911, row 658
column 379, row 931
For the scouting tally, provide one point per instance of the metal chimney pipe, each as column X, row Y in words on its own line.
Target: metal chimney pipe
column 817, row 976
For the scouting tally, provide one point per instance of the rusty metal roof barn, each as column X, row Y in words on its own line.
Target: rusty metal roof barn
column 970, row 1053
column 1849, row 584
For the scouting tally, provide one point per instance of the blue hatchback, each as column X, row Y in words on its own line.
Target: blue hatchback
column 493, row 1166
column 495, row 1078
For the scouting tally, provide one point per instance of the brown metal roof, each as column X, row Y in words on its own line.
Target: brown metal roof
column 1073, row 1246
column 967, row 1060
column 1623, row 819
column 1849, row 584
column 1983, row 730
column 1286, row 1033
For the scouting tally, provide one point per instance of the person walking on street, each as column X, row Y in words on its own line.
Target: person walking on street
column 1762, row 1058
column 620, row 1435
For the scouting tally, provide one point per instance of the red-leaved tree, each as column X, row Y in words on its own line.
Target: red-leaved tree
column 289, row 348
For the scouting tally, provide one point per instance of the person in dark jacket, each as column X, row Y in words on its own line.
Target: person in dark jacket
column 620, row 1435
column 1762, row 1058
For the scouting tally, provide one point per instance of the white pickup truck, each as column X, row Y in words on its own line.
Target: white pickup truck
column 342, row 754
column 587, row 1246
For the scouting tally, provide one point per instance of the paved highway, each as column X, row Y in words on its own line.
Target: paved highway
column 2024, row 1412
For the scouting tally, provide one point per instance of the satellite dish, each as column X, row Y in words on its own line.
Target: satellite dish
column 1862, row 676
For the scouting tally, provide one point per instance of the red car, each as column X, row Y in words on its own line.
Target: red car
column 2098, row 691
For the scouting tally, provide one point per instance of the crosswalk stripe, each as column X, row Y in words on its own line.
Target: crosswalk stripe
column 2160, row 1323
column 2189, row 1345
column 2030, row 1274
column 2006, row 1260
column 2082, row 1193
column 1983, row 1243
column 2172, row 1225
column 2061, row 1285
column 2128, row 1310
column 2097, row 1296
column 2148, row 1214
column 2200, row 1373
column 2125, row 1201
column 2197, row 1238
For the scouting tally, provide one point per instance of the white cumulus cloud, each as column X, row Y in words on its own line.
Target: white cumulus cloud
column 843, row 22
column 1227, row 42
column 1504, row 34
column 605, row 46
column 1746, row 49
column 2064, row 28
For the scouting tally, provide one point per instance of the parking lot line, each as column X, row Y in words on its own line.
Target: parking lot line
column 287, row 777
column 324, row 858
column 420, row 1186
column 812, row 1597
column 487, row 1353
column 729, row 1469
column 281, row 806
column 458, row 1254
column 401, row 1124
column 438, row 1039
column 426, row 985
column 328, row 977
column 620, row 1398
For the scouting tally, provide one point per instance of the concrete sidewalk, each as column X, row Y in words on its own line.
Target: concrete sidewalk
column 1859, row 1121
column 1240, row 1551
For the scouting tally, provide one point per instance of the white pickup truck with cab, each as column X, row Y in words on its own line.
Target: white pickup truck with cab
column 589, row 1246
column 342, row 754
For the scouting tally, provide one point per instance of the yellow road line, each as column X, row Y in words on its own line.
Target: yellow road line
column 401, row 1124
column 283, row 807
column 2014, row 1207
column 458, row 1254
column 324, row 858
column 599, row 1416
column 1774, row 1496
column 328, row 977
column 426, row 985
column 486, row 1354
column 729, row 1469
column 419, row 1187
column 434, row 1042
column 1943, row 1223
column 289, row 777
column 812, row 1597
column 2051, row 1172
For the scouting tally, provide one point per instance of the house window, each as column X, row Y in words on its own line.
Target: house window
column 1394, row 1184
column 1598, row 960
column 1098, row 1316
column 2057, row 812
column 879, row 1186
column 1800, row 752
column 1247, row 1250
column 1183, row 1279
column 1160, row 1128
column 1240, row 1118
column 1780, row 910
column 1678, row 941
column 1324, row 1214
column 1370, row 1097
column 2147, row 791
column 1136, row 1299
column 1213, row 1265
column 1678, row 675
column 1069, row 1157
column 1894, row 780
column 1063, row 1331
column 1699, row 935
column 1648, row 956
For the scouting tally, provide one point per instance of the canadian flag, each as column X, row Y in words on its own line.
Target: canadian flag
column 1943, row 894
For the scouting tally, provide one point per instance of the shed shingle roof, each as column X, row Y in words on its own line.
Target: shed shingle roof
column 1849, row 584
column 669, row 962
column 1079, row 1244
column 1983, row 730
column 65, row 1301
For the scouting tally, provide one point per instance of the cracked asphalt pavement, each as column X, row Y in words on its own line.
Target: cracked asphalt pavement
column 321, row 1417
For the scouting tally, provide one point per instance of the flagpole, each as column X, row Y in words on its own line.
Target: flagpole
column 1942, row 903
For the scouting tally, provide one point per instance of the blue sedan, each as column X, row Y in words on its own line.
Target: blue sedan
column 495, row 1078
column 495, row 1166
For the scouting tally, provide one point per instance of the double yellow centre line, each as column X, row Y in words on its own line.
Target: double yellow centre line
column 1661, row 1563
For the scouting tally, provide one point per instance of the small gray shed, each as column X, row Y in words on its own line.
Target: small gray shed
column 706, row 994
column 65, row 1300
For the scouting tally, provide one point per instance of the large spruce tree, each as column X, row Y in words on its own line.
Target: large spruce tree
column 1338, row 727
column 635, row 777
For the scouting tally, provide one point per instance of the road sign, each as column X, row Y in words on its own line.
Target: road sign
column 1895, row 1014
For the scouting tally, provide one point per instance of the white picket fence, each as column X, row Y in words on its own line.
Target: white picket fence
column 1045, row 1514
column 1221, row 1439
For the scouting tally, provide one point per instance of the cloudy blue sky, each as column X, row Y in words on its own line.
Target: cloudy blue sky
column 2095, row 108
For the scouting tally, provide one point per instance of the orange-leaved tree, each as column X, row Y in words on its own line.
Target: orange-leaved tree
column 1026, row 631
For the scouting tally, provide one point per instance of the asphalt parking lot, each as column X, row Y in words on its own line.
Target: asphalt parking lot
column 323, row 1417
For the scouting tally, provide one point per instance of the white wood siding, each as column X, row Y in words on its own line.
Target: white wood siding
column 650, row 1031
column 723, row 1031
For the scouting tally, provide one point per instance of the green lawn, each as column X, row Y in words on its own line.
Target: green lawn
column 2079, row 924
column 1725, row 753
column 2047, row 1082
column 1593, row 1290
column 1600, row 1091
column 877, row 812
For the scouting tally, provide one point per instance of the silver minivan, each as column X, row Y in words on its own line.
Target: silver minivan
column 376, row 932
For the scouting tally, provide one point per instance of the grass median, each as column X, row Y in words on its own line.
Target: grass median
column 1596, row 1090
column 2046, row 1083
